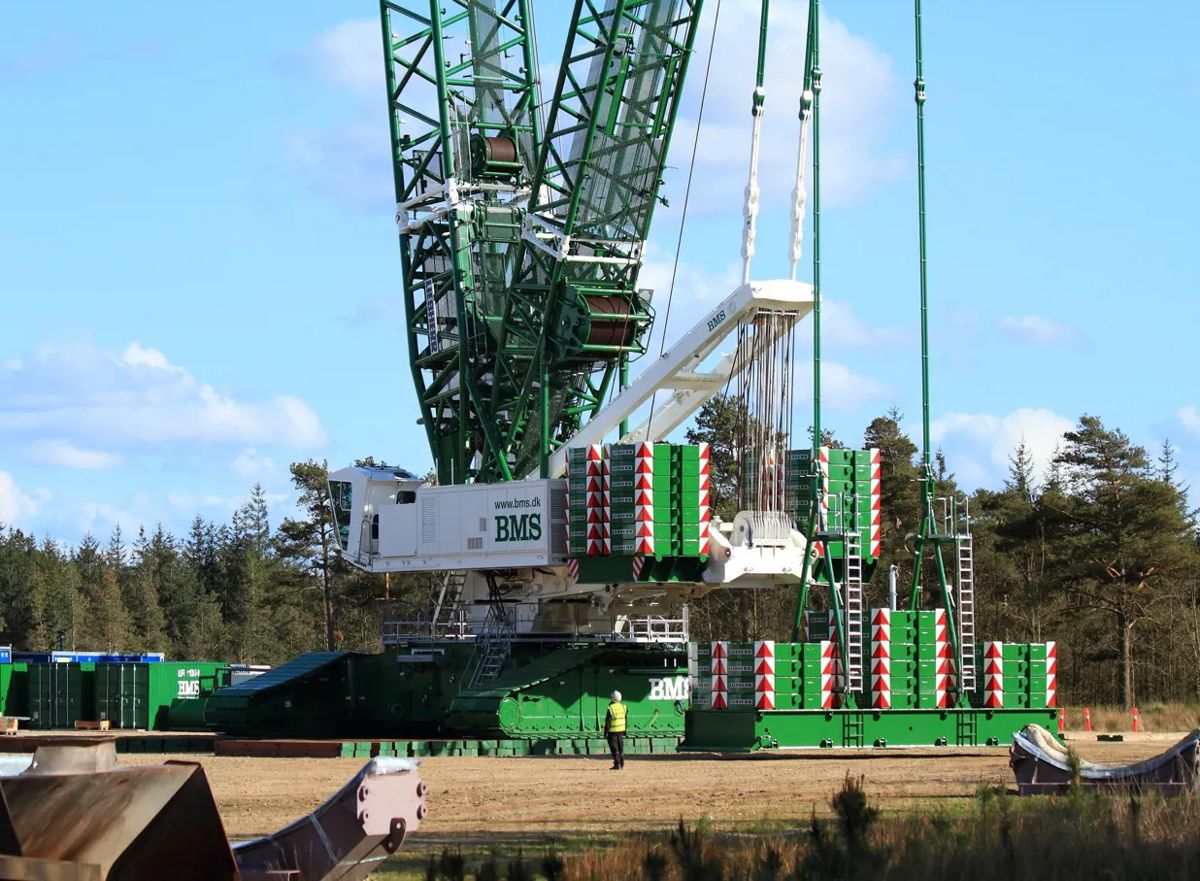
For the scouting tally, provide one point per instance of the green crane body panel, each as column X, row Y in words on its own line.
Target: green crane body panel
column 561, row 693
column 749, row 730
column 566, row 693
column 165, row 695
column 305, row 695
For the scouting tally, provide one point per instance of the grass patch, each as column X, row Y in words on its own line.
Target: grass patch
column 1082, row 835
column 1154, row 717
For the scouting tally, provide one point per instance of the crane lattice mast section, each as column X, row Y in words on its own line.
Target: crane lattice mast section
column 522, row 239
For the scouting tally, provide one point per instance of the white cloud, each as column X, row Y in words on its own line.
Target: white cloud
column 1039, row 331
column 350, row 54
column 85, row 396
column 842, row 327
column 15, row 505
column 861, row 103
column 844, row 390
column 348, row 164
column 63, row 453
column 1189, row 418
column 250, row 464
column 979, row 444
column 192, row 502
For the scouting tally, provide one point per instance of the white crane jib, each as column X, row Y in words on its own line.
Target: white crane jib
column 679, row 369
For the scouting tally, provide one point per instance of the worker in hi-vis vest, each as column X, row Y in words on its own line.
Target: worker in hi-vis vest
column 614, row 730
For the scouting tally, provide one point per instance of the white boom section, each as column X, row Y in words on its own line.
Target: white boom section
column 678, row 369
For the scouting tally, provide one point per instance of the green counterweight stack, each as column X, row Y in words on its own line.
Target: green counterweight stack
column 582, row 474
column 1019, row 675
column 762, row 675
column 638, row 510
column 911, row 664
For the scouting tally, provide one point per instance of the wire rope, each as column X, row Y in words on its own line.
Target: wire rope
column 687, row 195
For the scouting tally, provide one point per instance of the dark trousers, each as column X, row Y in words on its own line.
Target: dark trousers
column 616, row 744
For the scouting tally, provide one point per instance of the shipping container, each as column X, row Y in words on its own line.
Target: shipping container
column 157, row 696
column 60, row 694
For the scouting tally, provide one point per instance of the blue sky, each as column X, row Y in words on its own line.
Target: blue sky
column 199, row 269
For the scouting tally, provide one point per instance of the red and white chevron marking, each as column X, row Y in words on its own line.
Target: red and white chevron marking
column 823, row 492
column 941, row 653
column 764, row 675
column 643, row 498
column 876, row 543
column 719, row 699
column 881, row 659
column 704, row 500
column 826, row 675
column 1052, row 674
column 638, row 564
column 596, row 502
column 605, row 466
column 993, row 674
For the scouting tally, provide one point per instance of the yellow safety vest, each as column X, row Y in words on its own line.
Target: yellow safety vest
column 616, row 718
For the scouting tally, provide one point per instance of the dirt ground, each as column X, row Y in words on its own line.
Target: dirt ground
column 473, row 799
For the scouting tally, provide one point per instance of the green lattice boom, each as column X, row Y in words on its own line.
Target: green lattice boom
column 520, row 265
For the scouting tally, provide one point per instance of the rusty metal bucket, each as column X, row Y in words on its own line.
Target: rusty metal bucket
column 75, row 815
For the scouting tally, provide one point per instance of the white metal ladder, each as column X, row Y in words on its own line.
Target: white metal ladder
column 447, row 601
column 965, row 584
column 852, row 598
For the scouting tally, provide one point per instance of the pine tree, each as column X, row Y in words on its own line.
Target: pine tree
column 1125, row 538
column 104, row 624
column 141, row 593
column 719, row 424
column 248, row 571
column 310, row 542
column 115, row 553
column 1021, row 472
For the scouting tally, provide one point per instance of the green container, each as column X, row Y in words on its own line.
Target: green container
column 16, row 695
column 60, row 694
column 159, row 696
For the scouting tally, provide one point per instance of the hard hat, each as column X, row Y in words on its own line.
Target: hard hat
column 616, row 695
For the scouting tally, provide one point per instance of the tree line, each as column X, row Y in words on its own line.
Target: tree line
column 238, row 591
column 1099, row 554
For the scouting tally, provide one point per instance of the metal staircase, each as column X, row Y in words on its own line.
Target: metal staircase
column 493, row 644
column 965, row 602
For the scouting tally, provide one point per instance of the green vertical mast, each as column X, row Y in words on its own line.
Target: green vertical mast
column 919, row 97
column 809, row 106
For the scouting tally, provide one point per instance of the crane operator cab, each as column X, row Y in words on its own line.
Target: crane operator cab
column 390, row 520
column 365, row 496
